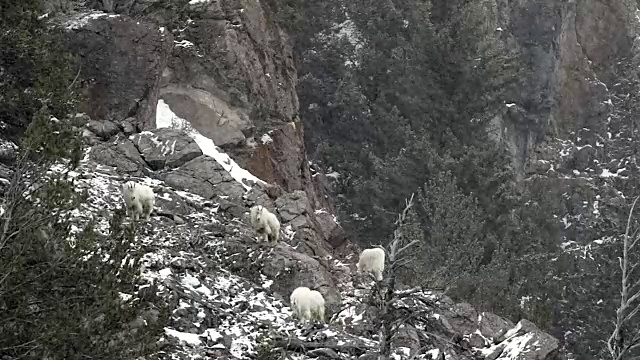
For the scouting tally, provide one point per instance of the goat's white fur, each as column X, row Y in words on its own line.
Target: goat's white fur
column 372, row 261
column 318, row 301
column 307, row 304
column 265, row 223
column 138, row 200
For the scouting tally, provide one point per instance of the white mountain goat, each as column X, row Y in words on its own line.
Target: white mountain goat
column 307, row 304
column 372, row 261
column 265, row 223
column 318, row 300
column 138, row 200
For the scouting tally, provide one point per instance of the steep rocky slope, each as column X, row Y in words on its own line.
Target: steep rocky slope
column 228, row 294
column 225, row 66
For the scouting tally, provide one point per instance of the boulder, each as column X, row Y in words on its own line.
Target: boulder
column 206, row 168
column 333, row 233
column 103, row 129
column 463, row 318
column 170, row 148
column 293, row 205
column 211, row 115
column 524, row 342
column 407, row 337
column 308, row 241
column 492, row 325
column 127, row 126
column 474, row 330
column 121, row 154
column 259, row 195
column 168, row 201
column 230, row 188
column 234, row 209
column 205, row 177
column 583, row 157
column 186, row 182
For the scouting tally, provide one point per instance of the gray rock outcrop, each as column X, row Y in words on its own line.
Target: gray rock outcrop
column 166, row 148
column 121, row 154
column 121, row 63
column 570, row 48
column 205, row 177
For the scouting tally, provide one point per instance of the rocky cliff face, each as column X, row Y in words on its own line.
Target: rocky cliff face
column 120, row 66
column 570, row 49
column 154, row 73
column 571, row 139
column 225, row 67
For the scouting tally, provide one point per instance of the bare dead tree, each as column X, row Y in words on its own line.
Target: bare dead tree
column 621, row 344
column 395, row 259
column 398, row 308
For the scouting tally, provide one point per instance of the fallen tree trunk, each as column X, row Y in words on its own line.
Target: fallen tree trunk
column 298, row 345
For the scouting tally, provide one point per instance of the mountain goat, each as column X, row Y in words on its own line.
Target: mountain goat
column 307, row 304
column 318, row 300
column 265, row 223
column 138, row 200
column 372, row 261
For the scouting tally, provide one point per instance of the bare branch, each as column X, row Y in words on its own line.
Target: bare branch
column 76, row 78
column 633, row 268
column 636, row 238
column 406, row 247
column 616, row 342
column 632, row 313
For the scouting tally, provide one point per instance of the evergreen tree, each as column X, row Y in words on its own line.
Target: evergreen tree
column 59, row 298
column 35, row 71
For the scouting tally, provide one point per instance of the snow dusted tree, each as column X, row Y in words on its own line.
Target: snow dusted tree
column 59, row 298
